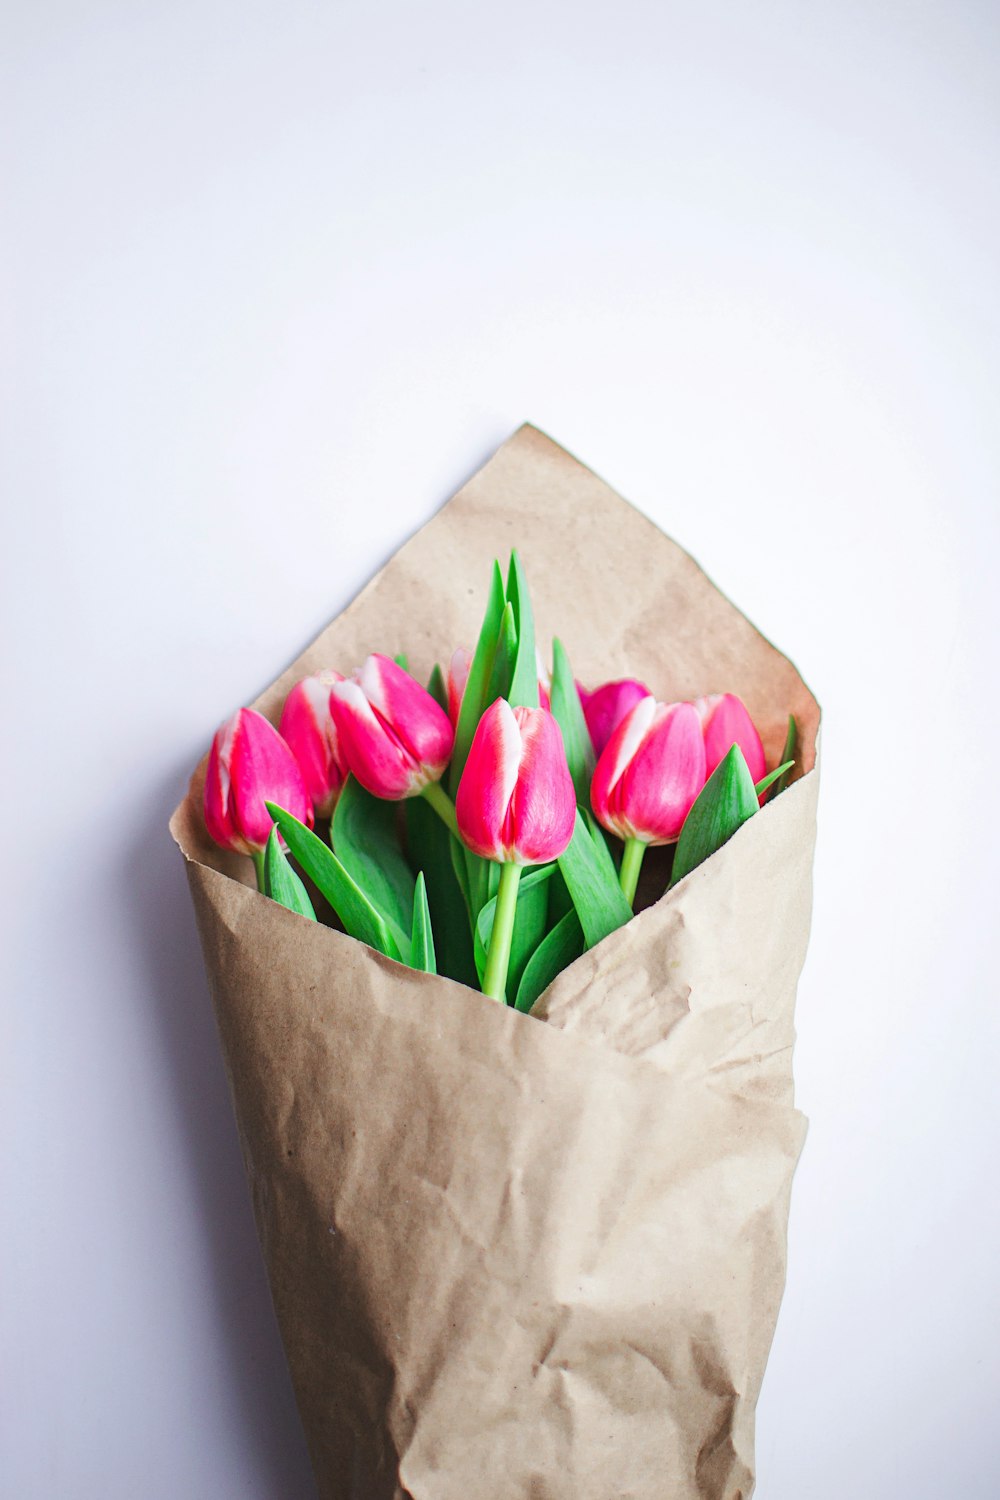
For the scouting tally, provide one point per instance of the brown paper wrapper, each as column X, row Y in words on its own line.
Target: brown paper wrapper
column 531, row 1256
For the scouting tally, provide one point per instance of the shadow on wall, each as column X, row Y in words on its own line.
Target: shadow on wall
column 263, row 1411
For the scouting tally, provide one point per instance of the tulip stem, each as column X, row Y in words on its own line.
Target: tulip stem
column 628, row 876
column 495, row 978
column 257, row 856
column 435, row 794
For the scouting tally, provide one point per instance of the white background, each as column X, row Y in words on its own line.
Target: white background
column 276, row 279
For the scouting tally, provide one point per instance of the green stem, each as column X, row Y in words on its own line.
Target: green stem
column 628, row 876
column 435, row 794
column 495, row 978
column 258, row 863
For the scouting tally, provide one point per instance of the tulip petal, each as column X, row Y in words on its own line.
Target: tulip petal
column 542, row 809
column 407, row 711
column 663, row 777
column 606, row 707
column 729, row 723
column 489, row 782
column 375, row 756
column 248, row 762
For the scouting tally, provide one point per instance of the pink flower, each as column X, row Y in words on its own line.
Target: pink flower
column 248, row 764
column 515, row 802
column 391, row 734
column 309, row 731
column 650, row 772
column 458, row 676
column 725, row 722
column 606, row 706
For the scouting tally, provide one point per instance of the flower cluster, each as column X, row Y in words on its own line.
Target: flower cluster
column 502, row 770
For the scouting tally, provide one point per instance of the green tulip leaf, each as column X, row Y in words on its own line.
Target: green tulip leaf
column 724, row 804
column 359, row 916
column 365, row 840
column 529, row 924
column 478, row 680
column 787, row 754
column 281, row 882
column 589, row 873
column 402, row 660
column 524, row 684
column 761, row 787
column 440, row 856
column 422, row 940
column 567, row 710
column 502, row 671
column 556, row 951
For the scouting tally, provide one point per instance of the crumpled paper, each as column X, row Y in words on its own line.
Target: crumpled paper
column 531, row 1256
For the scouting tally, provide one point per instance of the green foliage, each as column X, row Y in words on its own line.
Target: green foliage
column 281, row 882
column 529, row 924
column 422, row 940
column 360, row 918
column 441, row 857
column 589, row 872
column 724, row 804
column 365, row 839
column 567, row 710
column 557, row 949
column 523, row 690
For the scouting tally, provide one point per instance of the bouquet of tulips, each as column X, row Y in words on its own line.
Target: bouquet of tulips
column 528, row 1242
column 539, row 772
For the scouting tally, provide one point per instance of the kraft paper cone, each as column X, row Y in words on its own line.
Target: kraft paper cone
column 531, row 1256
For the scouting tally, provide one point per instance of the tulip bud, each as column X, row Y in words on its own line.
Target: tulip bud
column 606, row 706
column 249, row 763
column 725, row 722
column 392, row 735
column 458, row 676
column 650, row 772
column 308, row 730
column 515, row 802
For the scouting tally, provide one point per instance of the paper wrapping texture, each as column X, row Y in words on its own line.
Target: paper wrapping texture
column 531, row 1256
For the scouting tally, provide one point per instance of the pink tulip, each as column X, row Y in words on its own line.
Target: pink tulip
column 458, row 676
column 392, row 735
column 606, row 706
column 725, row 722
column 248, row 764
column 650, row 772
column 309, row 731
column 515, row 802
